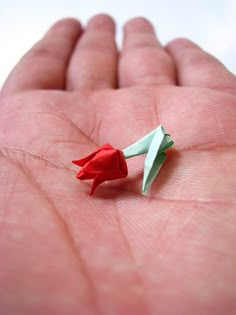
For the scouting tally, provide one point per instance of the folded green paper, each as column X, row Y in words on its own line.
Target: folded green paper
column 154, row 144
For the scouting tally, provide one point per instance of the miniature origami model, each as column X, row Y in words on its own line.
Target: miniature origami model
column 108, row 163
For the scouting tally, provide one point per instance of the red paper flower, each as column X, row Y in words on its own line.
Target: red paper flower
column 105, row 163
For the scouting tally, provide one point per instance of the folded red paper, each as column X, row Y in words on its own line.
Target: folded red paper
column 106, row 163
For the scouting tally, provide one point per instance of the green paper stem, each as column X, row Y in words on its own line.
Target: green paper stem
column 139, row 147
column 142, row 145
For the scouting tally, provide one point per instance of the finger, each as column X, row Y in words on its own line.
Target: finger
column 143, row 59
column 94, row 61
column 195, row 67
column 44, row 66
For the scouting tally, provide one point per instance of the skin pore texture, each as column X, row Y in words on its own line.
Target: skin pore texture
column 169, row 252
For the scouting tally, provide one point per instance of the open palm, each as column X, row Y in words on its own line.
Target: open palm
column 118, row 252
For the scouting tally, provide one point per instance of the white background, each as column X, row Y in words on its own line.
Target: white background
column 210, row 23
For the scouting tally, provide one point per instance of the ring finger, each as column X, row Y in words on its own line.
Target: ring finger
column 143, row 59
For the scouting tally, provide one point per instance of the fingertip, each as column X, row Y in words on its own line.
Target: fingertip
column 102, row 21
column 138, row 24
column 180, row 43
column 189, row 53
column 65, row 23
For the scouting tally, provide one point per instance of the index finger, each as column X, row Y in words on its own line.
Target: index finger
column 44, row 65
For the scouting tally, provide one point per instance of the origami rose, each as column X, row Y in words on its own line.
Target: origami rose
column 106, row 163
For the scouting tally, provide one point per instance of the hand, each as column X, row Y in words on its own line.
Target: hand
column 118, row 252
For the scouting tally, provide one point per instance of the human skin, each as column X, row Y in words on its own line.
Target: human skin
column 118, row 252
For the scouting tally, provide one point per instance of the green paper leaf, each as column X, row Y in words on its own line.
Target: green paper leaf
column 154, row 144
column 152, row 171
column 155, row 157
